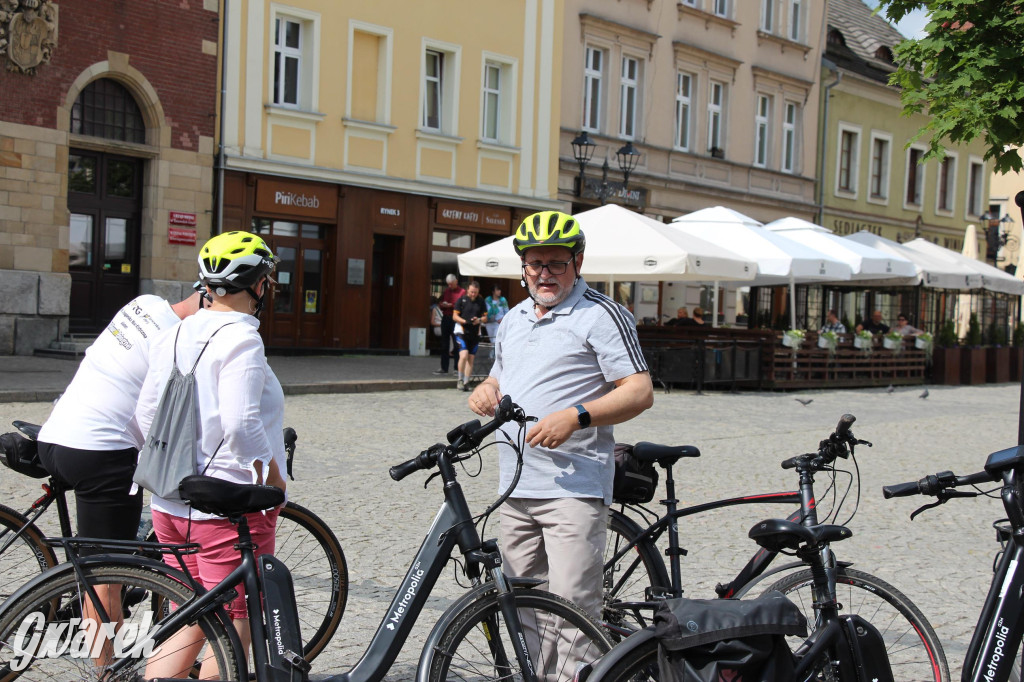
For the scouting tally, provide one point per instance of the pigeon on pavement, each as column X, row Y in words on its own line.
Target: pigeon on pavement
column 890, row 389
column 924, row 394
column 803, row 402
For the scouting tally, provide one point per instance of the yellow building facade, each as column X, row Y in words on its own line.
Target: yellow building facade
column 370, row 143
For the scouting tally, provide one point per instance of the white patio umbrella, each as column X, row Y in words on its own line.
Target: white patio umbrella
column 963, row 305
column 992, row 278
column 866, row 263
column 626, row 246
column 779, row 260
column 932, row 272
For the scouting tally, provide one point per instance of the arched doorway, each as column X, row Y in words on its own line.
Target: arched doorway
column 105, row 203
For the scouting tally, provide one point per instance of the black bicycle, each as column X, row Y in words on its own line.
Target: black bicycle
column 994, row 653
column 503, row 627
column 303, row 541
column 636, row 576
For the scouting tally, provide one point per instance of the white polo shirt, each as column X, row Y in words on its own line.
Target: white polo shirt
column 571, row 355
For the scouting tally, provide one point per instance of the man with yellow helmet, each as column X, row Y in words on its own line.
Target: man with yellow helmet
column 570, row 356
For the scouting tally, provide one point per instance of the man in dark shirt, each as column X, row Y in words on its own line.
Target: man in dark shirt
column 470, row 312
column 875, row 324
column 681, row 319
column 452, row 293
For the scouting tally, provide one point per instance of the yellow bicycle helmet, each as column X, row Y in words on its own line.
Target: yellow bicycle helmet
column 235, row 261
column 550, row 228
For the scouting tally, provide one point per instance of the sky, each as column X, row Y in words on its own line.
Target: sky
column 912, row 25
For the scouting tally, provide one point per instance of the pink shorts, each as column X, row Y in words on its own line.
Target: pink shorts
column 218, row 556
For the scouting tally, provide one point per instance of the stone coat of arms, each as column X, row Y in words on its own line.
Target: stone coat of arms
column 28, row 33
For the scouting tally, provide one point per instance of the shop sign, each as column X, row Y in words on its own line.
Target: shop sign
column 304, row 200
column 181, row 235
column 845, row 226
column 595, row 188
column 388, row 215
column 470, row 215
column 179, row 218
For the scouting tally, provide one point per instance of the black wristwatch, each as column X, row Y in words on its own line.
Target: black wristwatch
column 583, row 417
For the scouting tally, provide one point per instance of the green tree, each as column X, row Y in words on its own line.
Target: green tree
column 965, row 74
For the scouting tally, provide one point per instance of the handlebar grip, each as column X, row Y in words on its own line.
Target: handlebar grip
column 901, row 489
column 790, row 463
column 400, row 471
column 845, row 422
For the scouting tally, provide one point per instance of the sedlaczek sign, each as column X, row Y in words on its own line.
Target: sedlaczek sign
column 300, row 199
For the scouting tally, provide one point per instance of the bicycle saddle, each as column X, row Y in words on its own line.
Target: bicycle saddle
column 665, row 455
column 225, row 498
column 778, row 534
column 30, row 431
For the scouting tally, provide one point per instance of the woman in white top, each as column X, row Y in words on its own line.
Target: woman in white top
column 241, row 414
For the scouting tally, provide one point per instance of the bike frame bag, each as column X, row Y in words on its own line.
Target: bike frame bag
column 709, row 640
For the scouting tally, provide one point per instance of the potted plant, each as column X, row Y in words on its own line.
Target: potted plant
column 793, row 338
column 893, row 341
column 972, row 354
column 924, row 341
column 863, row 340
column 946, row 356
column 828, row 340
column 997, row 356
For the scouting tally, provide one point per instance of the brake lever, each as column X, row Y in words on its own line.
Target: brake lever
column 930, row 505
column 430, row 478
column 942, row 497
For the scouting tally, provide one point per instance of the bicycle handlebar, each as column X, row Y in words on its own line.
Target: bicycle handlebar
column 935, row 484
column 832, row 447
column 461, row 439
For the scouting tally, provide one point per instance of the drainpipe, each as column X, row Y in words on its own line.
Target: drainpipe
column 218, row 227
column 823, row 147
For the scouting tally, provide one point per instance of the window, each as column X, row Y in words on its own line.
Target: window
column 947, row 183
column 716, row 104
column 684, row 88
column 789, row 139
column 689, row 3
column 768, row 16
column 433, row 85
column 720, row 8
column 106, row 109
column 846, row 177
column 975, row 185
column 287, row 61
column 629, row 99
column 915, row 176
column 592, row 82
column 796, row 19
column 762, row 124
column 879, row 186
column 492, row 100
column 368, row 85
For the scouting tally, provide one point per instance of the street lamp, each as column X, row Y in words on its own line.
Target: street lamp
column 995, row 238
column 583, row 151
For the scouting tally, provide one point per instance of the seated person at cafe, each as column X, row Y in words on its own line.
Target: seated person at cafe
column 832, row 324
column 698, row 316
column 904, row 328
column 875, row 324
column 682, row 318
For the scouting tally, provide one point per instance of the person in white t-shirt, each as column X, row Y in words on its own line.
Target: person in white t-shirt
column 90, row 443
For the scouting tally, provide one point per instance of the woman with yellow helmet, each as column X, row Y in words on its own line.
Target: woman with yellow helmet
column 241, row 412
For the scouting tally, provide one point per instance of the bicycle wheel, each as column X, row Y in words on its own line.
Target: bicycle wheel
column 24, row 557
column 313, row 556
column 627, row 579
column 912, row 646
column 476, row 644
column 639, row 665
column 42, row 628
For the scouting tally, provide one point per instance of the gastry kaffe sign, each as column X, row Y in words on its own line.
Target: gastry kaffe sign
column 28, row 33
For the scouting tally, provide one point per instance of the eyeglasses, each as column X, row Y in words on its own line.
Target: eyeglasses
column 535, row 268
column 901, row 319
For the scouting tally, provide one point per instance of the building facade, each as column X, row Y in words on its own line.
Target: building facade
column 106, row 159
column 719, row 98
column 370, row 143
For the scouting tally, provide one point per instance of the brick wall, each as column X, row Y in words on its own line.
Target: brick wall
column 171, row 42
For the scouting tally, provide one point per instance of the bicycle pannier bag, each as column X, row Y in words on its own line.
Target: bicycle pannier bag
column 21, row 455
column 710, row 640
column 169, row 453
column 635, row 481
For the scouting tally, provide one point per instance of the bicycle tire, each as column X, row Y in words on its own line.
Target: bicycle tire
column 27, row 556
column 314, row 557
column 628, row 579
column 639, row 665
column 912, row 646
column 464, row 650
column 148, row 592
column 319, row 572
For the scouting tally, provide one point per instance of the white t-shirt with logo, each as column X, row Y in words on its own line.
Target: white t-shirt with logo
column 97, row 411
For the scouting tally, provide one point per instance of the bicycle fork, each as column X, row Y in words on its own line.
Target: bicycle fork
column 490, row 558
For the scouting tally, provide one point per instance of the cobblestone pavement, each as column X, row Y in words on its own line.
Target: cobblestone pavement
column 942, row 561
